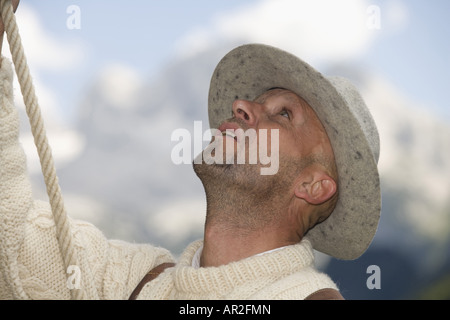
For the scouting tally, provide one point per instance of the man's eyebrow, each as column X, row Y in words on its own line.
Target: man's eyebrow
column 265, row 93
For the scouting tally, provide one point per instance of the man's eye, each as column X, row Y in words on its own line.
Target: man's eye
column 284, row 113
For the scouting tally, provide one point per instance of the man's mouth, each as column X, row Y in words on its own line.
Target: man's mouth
column 228, row 129
column 229, row 133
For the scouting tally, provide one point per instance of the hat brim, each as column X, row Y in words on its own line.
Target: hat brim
column 250, row 70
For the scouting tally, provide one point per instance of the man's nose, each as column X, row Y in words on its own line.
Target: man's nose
column 248, row 111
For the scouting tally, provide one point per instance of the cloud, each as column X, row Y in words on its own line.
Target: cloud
column 314, row 30
column 119, row 85
column 179, row 221
column 46, row 53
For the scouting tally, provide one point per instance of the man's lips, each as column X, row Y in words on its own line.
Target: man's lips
column 228, row 129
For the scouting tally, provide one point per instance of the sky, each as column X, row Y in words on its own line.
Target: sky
column 68, row 42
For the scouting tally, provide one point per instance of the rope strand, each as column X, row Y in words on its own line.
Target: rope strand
column 63, row 230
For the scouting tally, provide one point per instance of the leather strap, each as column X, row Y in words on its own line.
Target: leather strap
column 152, row 274
column 325, row 294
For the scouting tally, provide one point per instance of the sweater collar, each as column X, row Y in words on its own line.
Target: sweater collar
column 272, row 264
column 196, row 259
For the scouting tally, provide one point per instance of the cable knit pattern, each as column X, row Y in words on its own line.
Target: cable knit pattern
column 15, row 190
column 31, row 266
column 284, row 274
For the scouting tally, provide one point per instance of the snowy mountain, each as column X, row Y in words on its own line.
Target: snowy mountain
column 124, row 181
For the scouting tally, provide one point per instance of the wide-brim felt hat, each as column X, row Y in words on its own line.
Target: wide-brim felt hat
column 249, row 70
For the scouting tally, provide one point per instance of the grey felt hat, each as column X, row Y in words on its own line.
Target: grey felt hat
column 250, row 70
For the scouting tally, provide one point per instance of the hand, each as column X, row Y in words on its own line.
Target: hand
column 2, row 28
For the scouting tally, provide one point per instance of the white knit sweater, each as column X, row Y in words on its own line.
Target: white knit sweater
column 31, row 266
column 284, row 274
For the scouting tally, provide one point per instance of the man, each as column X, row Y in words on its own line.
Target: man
column 260, row 230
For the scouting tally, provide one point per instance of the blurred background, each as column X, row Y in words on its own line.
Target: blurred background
column 116, row 78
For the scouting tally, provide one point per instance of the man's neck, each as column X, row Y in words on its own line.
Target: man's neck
column 244, row 219
column 222, row 246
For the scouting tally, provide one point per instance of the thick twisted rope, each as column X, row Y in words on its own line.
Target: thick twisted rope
column 63, row 231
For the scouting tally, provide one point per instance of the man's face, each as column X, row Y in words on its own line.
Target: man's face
column 300, row 133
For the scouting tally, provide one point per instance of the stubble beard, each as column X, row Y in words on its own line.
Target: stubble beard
column 239, row 197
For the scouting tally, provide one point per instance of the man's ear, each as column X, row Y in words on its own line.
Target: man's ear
column 315, row 187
